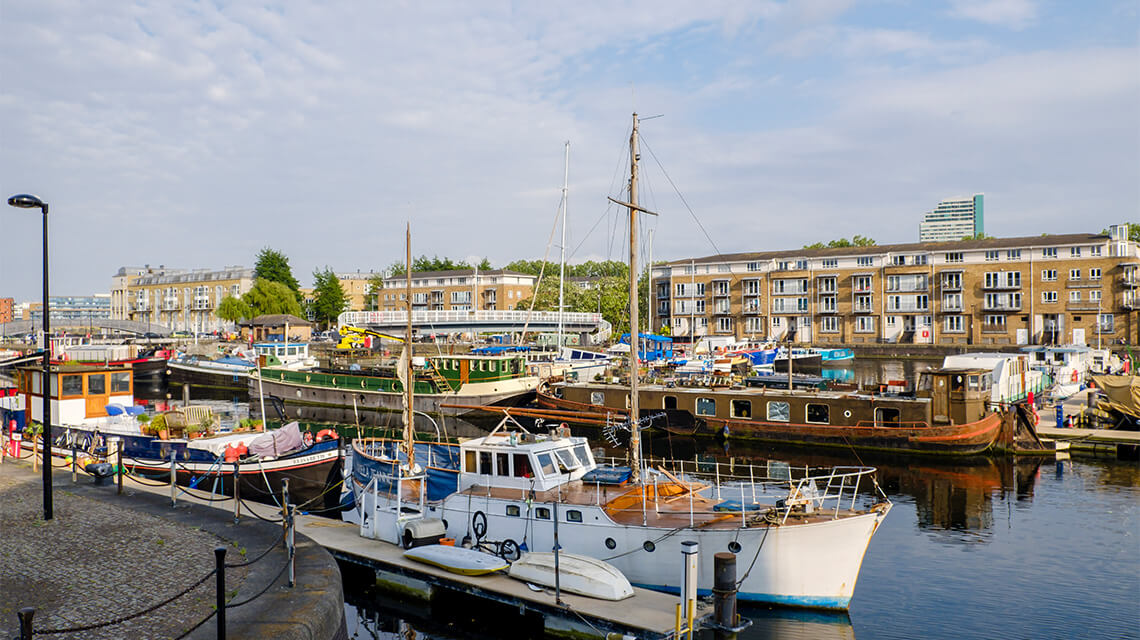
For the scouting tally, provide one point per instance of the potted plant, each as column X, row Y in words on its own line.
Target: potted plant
column 158, row 427
column 32, row 432
column 194, row 430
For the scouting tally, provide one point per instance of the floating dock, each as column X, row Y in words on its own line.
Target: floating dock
column 648, row 614
column 1124, row 444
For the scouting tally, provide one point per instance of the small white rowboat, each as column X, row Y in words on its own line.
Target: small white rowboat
column 466, row 562
column 577, row 574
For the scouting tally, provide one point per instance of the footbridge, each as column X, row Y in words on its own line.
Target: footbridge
column 126, row 328
column 448, row 322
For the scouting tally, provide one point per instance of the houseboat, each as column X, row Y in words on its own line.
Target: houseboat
column 232, row 372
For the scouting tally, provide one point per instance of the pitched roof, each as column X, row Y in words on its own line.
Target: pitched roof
column 277, row 320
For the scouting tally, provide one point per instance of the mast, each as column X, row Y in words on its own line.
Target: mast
column 634, row 337
column 562, row 260
column 410, row 379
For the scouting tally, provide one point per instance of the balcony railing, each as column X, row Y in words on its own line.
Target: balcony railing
column 1000, row 286
column 951, row 286
column 907, row 289
column 994, row 328
column 1002, row 306
column 1130, row 279
column 908, row 308
column 1082, row 306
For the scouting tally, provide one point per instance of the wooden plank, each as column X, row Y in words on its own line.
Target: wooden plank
column 1110, row 436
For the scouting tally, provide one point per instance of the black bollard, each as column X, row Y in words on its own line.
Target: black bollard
column 237, row 494
column 119, row 465
column 220, row 602
column 25, row 616
column 724, row 591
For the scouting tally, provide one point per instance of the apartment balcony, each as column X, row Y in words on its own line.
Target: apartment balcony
column 870, row 288
column 1083, row 284
column 907, row 289
column 1129, row 279
column 752, row 309
column 909, row 308
column 1083, row 306
column 994, row 328
column 1001, row 286
column 1002, row 307
column 952, row 308
column 864, row 310
column 948, row 286
column 722, row 294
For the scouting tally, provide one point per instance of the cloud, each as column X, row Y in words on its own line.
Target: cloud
column 1013, row 14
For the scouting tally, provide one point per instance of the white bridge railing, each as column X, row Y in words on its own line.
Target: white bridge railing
column 430, row 318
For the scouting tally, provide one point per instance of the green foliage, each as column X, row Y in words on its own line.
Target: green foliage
column 268, row 297
column 977, row 236
column 272, row 265
column 34, row 429
column 609, row 296
column 232, row 309
column 329, row 298
column 375, row 286
column 435, row 263
column 855, row 241
column 588, row 269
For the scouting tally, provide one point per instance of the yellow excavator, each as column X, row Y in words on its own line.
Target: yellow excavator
column 353, row 337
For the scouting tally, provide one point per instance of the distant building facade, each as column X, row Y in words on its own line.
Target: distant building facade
column 74, row 309
column 355, row 287
column 7, row 306
column 458, row 290
column 953, row 220
column 1051, row 289
column 180, row 299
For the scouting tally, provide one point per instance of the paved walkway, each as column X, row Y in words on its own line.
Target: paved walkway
column 104, row 556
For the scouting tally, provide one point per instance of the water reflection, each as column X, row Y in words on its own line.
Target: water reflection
column 869, row 372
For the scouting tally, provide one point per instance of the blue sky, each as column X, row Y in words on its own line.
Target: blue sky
column 192, row 134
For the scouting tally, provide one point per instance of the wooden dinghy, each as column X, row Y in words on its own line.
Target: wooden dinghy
column 459, row 560
column 577, row 574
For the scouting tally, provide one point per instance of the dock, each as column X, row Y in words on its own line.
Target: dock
column 648, row 614
column 1124, row 444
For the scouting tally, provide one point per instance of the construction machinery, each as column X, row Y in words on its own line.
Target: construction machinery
column 356, row 338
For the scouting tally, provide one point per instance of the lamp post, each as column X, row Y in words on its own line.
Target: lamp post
column 25, row 201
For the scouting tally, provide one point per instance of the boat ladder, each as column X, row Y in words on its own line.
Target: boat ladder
column 437, row 378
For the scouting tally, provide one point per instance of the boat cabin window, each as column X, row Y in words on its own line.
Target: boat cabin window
column 566, row 459
column 887, row 415
column 741, row 408
column 469, row 464
column 957, row 383
column 669, row 402
column 597, row 398
column 779, row 411
column 582, row 454
column 72, row 386
column 121, row 382
column 972, row 382
column 522, row 466
column 485, row 462
column 706, row 407
column 573, row 515
column 491, row 366
column 502, row 464
column 542, row 513
column 924, row 382
column 818, row 414
column 513, row 510
column 96, row 385
column 547, row 464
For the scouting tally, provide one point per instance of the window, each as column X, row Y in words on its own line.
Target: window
column 1048, row 275
column 542, row 513
column 547, row 464
column 952, row 324
column 573, row 515
column 827, row 303
column 887, row 415
column 865, row 261
column 1094, row 273
column 865, row 324
column 951, row 302
column 919, row 259
column 779, row 411
column 829, row 324
column 1074, row 274
column 1094, row 295
column 724, row 325
column 1013, row 254
column 754, row 266
column 522, row 466
column 741, row 408
column 1094, row 251
column 72, row 386
column 954, row 257
column 898, row 261
column 830, row 263
column 1105, row 323
column 991, row 256
column 1074, row 296
column 1049, row 252
column 996, row 321
column 827, row 284
column 513, row 510
column 1074, row 252
column 706, row 407
column 96, row 385
column 597, row 398
column 818, row 413
column 1048, row 296
column 861, row 283
column 121, row 381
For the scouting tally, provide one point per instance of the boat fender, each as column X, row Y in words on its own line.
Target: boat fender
column 479, row 525
column 327, row 434
column 1074, row 377
column 726, row 430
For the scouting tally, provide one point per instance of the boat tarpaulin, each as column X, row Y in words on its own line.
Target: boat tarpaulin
column 277, row 443
column 1123, row 393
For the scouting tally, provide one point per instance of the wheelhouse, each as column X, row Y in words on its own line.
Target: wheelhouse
column 524, row 461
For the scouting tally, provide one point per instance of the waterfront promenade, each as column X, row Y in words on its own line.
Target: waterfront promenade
column 106, row 556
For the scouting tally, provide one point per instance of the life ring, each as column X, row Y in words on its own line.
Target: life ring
column 327, row 433
column 1074, row 377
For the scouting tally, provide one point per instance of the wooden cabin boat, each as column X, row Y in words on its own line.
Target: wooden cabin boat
column 439, row 380
column 950, row 413
column 232, row 372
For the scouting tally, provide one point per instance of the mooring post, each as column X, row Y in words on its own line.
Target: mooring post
column 118, row 463
column 690, row 554
column 292, row 547
column 724, row 593
column 173, row 479
column 74, row 463
column 237, row 494
column 25, row 616
column 220, row 596
column 186, row 395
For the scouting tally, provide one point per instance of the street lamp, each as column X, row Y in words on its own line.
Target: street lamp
column 25, row 201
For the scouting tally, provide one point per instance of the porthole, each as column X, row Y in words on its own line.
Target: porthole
column 298, row 393
column 611, row 543
column 847, row 413
column 649, row 546
column 734, row 546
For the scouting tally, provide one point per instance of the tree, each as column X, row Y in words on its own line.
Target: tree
column 375, row 286
column 269, row 297
column 232, row 309
column 328, row 297
column 855, row 241
column 272, row 265
column 977, row 236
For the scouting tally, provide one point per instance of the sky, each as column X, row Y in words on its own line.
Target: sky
column 195, row 134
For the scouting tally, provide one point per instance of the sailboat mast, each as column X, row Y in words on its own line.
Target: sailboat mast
column 634, row 365
column 562, row 259
column 410, row 381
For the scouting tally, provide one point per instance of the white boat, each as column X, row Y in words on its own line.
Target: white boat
column 576, row 573
column 800, row 537
column 467, row 562
column 1012, row 378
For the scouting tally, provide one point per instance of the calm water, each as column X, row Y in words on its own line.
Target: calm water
column 985, row 548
